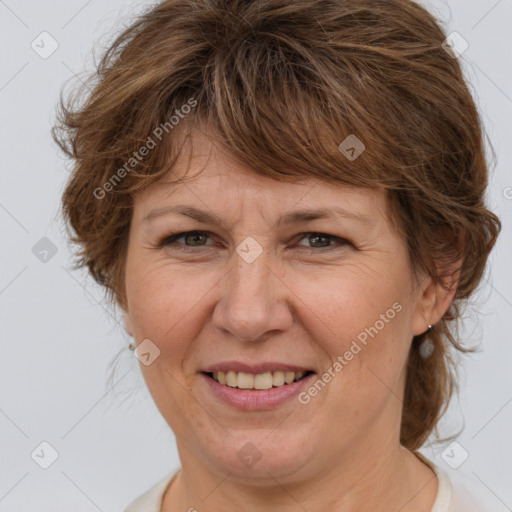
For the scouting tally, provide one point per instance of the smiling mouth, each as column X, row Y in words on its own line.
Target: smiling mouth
column 260, row 381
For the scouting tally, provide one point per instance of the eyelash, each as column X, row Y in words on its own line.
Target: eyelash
column 169, row 240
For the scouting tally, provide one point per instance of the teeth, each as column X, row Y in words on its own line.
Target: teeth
column 243, row 380
column 263, row 380
column 231, row 379
column 278, row 378
column 288, row 377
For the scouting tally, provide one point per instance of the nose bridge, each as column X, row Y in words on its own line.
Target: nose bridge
column 252, row 302
column 250, row 278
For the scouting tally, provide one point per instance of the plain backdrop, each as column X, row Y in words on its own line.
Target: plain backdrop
column 58, row 337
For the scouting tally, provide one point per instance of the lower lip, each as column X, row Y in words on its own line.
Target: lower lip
column 259, row 399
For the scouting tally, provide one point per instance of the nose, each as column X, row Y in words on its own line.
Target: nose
column 255, row 302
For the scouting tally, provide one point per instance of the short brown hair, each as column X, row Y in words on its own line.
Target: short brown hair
column 280, row 84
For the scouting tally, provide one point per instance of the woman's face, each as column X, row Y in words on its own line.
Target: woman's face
column 260, row 293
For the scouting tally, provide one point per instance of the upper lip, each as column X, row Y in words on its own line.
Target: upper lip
column 270, row 366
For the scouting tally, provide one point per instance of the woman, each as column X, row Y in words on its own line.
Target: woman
column 286, row 200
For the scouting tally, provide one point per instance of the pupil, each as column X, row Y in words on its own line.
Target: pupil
column 316, row 237
column 195, row 236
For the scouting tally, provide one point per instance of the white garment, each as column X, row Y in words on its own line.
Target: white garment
column 457, row 493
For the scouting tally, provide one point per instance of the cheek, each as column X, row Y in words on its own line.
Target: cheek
column 364, row 319
column 350, row 300
column 163, row 306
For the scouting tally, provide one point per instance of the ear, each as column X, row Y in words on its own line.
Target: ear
column 434, row 298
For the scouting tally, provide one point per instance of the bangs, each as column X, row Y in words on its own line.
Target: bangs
column 282, row 108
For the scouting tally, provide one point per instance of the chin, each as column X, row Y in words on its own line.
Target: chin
column 257, row 458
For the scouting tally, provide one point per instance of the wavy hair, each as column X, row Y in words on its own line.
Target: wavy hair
column 280, row 84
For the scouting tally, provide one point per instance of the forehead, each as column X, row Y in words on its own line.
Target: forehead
column 210, row 178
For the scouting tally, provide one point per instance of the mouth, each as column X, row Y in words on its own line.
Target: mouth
column 258, row 381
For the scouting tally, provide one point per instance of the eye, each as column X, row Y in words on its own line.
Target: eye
column 321, row 240
column 193, row 236
column 199, row 238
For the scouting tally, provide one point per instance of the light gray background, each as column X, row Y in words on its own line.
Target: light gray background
column 58, row 336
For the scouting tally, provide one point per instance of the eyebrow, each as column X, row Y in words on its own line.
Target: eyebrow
column 295, row 217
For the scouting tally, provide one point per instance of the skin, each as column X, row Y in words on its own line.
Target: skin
column 302, row 301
